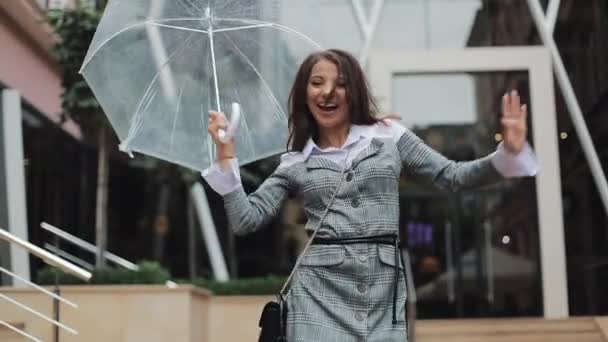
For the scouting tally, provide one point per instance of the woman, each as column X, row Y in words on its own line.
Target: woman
column 347, row 288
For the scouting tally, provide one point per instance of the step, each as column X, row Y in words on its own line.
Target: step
column 516, row 329
column 531, row 337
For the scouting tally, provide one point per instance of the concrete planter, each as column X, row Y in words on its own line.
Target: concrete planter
column 131, row 313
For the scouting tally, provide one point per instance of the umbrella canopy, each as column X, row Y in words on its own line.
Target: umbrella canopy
column 157, row 67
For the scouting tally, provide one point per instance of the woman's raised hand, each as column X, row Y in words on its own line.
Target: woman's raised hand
column 514, row 124
column 217, row 121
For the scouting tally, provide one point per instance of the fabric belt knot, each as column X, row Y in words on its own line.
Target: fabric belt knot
column 384, row 239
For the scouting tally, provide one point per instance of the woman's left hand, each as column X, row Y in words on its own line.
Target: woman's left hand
column 513, row 120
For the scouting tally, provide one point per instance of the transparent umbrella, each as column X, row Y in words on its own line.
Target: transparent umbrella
column 158, row 66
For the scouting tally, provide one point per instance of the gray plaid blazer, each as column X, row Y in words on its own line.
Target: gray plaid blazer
column 343, row 293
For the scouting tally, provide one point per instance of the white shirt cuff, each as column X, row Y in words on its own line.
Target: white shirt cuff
column 515, row 165
column 223, row 181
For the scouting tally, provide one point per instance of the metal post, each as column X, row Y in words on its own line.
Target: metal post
column 13, row 205
column 58, row 293
column 216, row 257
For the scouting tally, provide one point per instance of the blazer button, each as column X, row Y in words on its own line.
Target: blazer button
column 361, row 288
column 355, row 203
column 360, row 316
column 349, row 176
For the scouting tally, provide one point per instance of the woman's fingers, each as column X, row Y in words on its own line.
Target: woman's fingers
column 515, row 130
column 217, row 121
column 515, row 109
column 506, row 105
column 511, row 104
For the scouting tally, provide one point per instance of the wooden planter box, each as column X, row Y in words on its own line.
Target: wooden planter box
column 127, row 313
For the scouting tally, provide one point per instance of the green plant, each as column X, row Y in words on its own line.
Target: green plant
column 154, row 273
column 148, row 273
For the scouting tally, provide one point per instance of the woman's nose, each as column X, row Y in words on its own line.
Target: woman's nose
column 328, row 90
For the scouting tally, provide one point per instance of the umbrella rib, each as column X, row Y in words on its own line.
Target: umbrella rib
column 273, row 99
column 128, row 28
column 270, row 24
column 179, row 103
column 243, row 27
column 180, row 28
column 168, row 20
column 150, row 22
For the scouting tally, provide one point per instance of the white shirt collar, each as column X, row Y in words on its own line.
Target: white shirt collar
column 355, row 134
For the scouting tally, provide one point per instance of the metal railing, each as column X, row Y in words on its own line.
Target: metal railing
column 89, row 247
column 52, row 260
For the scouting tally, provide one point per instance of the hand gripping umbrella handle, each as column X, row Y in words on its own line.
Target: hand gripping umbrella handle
column 233, row 125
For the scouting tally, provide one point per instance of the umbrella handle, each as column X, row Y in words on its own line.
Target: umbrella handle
column 235, row 118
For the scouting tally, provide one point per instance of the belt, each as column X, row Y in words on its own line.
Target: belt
column 385, row 239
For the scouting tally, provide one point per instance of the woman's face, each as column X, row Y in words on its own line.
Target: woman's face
column 326, row 96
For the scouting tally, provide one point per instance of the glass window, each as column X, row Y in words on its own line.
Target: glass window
column 474, row 253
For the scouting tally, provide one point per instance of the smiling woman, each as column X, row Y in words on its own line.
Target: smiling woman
column 345, row 164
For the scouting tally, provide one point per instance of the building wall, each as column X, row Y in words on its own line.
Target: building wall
column 26, row 64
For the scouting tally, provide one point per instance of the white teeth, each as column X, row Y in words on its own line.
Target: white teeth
column 328, row 106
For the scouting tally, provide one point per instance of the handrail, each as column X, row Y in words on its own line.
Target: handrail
column 41, row 289
column 51, row 260
column 46, row 256
column 19, row 331
column 88, row 246
column 38, row 314
column 67, row 256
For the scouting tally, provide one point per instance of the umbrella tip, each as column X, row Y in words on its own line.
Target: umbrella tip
column 123, row 147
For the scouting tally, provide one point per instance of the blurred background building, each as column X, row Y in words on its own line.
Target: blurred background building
column 474, row 254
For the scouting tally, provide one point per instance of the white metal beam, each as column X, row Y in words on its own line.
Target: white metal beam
column 14, row 182
column 537, row 61
column 216, row 257
column 552, row 12
column 576, row 114
column 367, row 25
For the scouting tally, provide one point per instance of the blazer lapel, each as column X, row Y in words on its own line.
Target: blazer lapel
column 318, row 162
column 372, row 149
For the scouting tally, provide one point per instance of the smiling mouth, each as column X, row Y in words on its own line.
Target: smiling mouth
column 327, row 107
